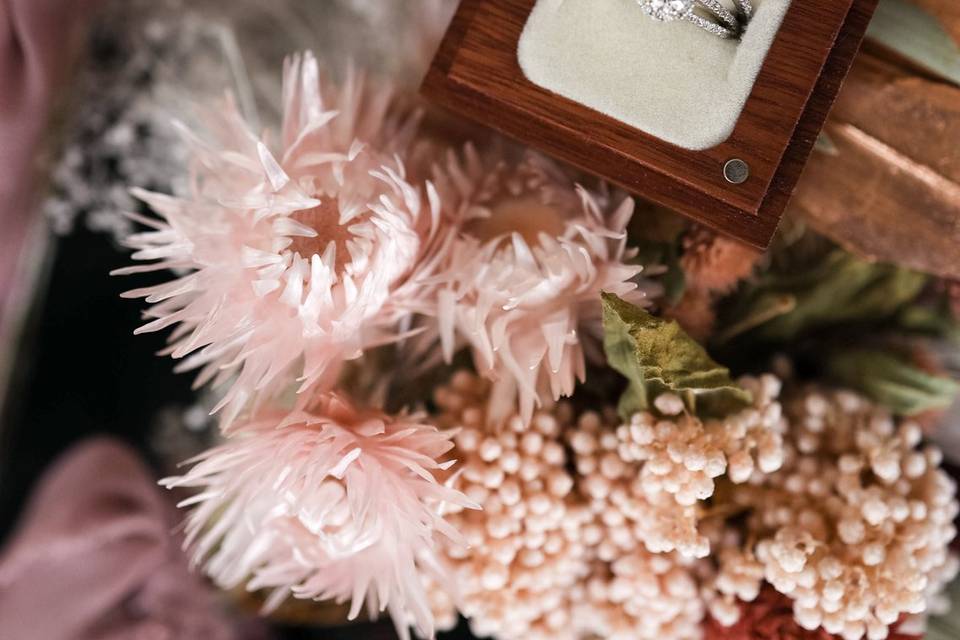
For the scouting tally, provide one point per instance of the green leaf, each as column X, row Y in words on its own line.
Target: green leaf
column 764, row 310
column 936, row 323
column 838, row 289
column 914, row 33
column 657, row 241
column 657, row 356
column 892, row 381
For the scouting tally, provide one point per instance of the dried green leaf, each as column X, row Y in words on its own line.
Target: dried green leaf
column 839, row 289
column 892, row 381
column 657, row 356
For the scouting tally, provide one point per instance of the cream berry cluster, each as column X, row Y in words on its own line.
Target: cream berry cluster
column 525, row 550
column 855, row 527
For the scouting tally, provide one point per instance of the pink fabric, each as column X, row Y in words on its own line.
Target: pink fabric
column 37, row 40
column 94, row 559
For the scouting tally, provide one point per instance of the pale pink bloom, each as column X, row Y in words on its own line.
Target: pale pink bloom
column 329, row 502
column 296, row 256
column 522, row 285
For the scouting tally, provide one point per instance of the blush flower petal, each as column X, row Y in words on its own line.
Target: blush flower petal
column 296, row 257
column 523, row 281
column 329, row 502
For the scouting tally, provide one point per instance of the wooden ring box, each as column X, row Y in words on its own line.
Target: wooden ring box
column 476, row 74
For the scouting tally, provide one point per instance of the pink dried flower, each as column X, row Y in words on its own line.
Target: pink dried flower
column 330, row 502
column 295, row 257
column 523, row 283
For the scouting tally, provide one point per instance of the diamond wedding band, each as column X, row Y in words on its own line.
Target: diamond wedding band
column 709, row 15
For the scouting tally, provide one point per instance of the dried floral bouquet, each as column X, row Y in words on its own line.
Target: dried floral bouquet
column 462, row 379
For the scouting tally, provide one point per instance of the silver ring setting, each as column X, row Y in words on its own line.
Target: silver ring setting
column 710, row 15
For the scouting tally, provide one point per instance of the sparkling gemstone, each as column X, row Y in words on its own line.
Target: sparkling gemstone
column 667, row 10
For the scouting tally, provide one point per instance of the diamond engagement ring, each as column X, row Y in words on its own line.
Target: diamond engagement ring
column 709, row 15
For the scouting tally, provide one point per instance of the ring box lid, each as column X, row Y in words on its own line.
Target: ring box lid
column 476, row 73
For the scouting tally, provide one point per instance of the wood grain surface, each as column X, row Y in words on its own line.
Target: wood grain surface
column 476, row 74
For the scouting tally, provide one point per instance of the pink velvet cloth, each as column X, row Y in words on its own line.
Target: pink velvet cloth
column 38, row 40
column 94, row 559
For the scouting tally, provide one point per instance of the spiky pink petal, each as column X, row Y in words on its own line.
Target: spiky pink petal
column 522, row 285
column 295, row 257
column 330, row 502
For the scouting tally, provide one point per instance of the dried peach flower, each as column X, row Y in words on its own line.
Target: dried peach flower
column 696, row 313
column 716, row 263
column 713, row 266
